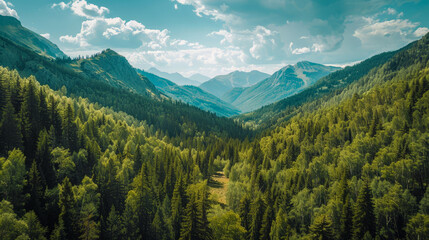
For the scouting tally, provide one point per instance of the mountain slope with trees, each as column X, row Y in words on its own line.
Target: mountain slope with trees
column 286, row 82
column 192, row 95
column 11, row 28
column 221, row 84
column 81, row 158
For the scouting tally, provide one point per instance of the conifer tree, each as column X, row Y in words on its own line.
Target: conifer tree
column 113, row 225
column 322, row 228
column 10, row 131
column 346, row 221
column 177, row 207
column 257, row 212
column 35, row 190
column 67, row 217
column 267, row 221
column 364, row 218
column 280, row 229
column 244, row 212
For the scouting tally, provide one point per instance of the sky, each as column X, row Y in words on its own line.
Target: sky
column 213, row 37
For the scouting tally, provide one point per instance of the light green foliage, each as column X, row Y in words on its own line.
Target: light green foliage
column 12, row 178
column 64, row 164
column 418, row 227
column 10, row 226
column 226, row 225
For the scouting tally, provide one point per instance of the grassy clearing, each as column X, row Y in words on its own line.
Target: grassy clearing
column 218, row 186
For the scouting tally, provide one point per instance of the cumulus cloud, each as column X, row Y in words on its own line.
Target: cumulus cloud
column 421, row 31
column 83, row 8
column 107, row 31
column 384, row 33
column 6, row 9
column 260, row 43
column 201, row 58
column 252, row 33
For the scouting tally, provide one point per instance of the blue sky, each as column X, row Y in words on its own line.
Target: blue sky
column 215, row 37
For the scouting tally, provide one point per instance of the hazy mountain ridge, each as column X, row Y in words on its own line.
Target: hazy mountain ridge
column 177, row 78
column 199, row 77
column 192, row 95
column 12, row 29
column 287, row 81
column 221, row 84
column 324, row 90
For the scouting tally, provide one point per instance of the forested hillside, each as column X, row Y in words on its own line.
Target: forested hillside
column 172, row 118
column 314, row 96
column 12, row 29
column 353, row 170
column 90, row 150
column 71, row 169
column 192, row 95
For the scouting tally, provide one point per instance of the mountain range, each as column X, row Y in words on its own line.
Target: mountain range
column 93, row 148
column 192, row 95
column 177, row 78
column 283, row 83
column 226, row 95
column 221, row 84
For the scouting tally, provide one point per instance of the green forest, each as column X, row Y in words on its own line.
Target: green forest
column 81, row 159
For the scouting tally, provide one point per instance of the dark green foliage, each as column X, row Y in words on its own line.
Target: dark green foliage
column 257, row 213
column 363, row 216
column 67, row 219
column 322, row 229
column 354, row 168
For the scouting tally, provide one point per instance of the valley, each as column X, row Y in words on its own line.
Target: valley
column 95, row 147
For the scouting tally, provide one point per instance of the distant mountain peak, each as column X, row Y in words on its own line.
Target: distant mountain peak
column 176, row 77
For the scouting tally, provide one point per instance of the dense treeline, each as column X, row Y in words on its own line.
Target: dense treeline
column 174, row 119
column 354, row 170
column 70, row 169
column 91, row 161
column 314, row 96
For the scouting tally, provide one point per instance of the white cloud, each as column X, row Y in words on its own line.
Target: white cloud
column 61, row 5
column 83, row 8
column 421, row 31
column 46, row 35
column 105, row 31
column 212, row 60
column 261, row 43
column 6, row 9
column 175, row 6
column 391, row 11
column 375, row 31
column 298, row 51
column 200, row 9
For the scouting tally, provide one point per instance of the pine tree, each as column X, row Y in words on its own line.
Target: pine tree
column 267, row 221
column 159, row 226
column 364, row 218
column 244, row 212
column 43, row 158
column 322, row 228
column 257, row 212
column 346, row 221
column 35, row 190
column 177, row 207
column 30, row 119
column 67, row 217
column 113, row 225
column 280, row 229
column 10, row 131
